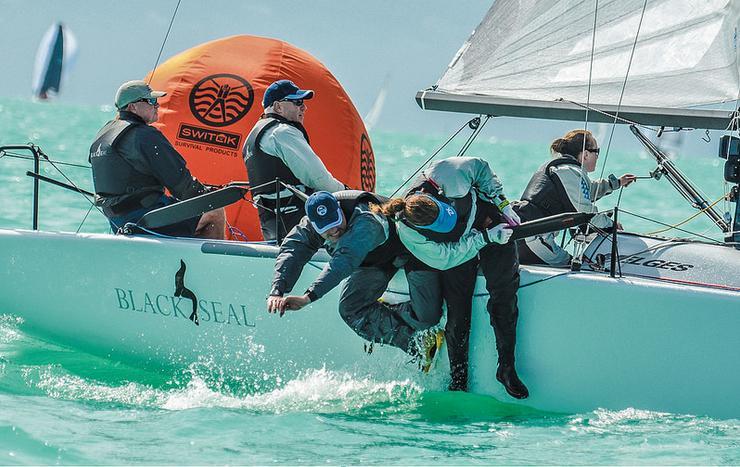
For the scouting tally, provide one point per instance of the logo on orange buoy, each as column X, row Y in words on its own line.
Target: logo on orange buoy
column 221, row 99
column 367, row 164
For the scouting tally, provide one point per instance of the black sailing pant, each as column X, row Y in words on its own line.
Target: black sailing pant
column 428, row 287
column 500, row 265
column 272, row 227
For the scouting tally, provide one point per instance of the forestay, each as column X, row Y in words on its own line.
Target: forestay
column 527, row 50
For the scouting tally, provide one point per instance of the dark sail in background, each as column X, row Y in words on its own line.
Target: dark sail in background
column 54, row 58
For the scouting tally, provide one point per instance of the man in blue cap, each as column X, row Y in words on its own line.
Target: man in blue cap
column 278, row 148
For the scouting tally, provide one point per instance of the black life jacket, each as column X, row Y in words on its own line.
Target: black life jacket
column 387, row 251
column 463, row 206
column 544, row 195
column 114, row 178
column 263, row 168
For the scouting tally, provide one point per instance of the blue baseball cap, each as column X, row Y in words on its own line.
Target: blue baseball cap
column 284, row 89
column 323, row 210
column 446, row 218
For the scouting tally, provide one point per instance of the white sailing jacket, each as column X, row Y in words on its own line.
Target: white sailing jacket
column 582, row 195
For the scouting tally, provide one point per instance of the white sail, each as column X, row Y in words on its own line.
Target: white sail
column 373, row 115
column 686, row 53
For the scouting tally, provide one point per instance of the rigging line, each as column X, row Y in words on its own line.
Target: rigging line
column 668, row 225
column 431, row 157
column 734, row 125
column 311, row 263
column 30, row 158
column 692, row 217
column 85, row 218
column 624, row 86
column 615, row 116
column 476, row 128
column 81, row 194
column 172, row 20
column 591, row 68
column 473, row 136
column 541, row 280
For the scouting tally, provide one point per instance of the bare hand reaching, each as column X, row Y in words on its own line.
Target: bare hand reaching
column 626, row 180
column 276, row 304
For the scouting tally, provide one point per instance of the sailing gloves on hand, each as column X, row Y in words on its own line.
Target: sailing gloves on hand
column 511, row 217
column 507, row 211
column 499, row 234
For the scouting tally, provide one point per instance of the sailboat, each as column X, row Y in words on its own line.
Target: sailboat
column 54, row 59
column 670, row 344
column 647, row 323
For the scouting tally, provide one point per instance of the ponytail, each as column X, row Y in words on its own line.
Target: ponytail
column 389, row 209
column 572, row 143
column 418, row 209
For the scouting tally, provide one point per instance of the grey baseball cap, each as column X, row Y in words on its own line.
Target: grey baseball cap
column 132, row 91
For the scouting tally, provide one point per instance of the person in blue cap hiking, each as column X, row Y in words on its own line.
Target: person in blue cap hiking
column 365, row 250
column 278, row 148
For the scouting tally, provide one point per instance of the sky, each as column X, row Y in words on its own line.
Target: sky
column 407, row 43
column 364, row 43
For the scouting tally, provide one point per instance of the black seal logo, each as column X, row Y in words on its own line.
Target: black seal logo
column 184, row 292
column 367, row 164
column 221, row 99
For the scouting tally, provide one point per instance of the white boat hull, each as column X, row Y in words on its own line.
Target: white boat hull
column 585, row 340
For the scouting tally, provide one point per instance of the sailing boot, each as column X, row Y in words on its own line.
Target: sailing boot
column 424, row 346
column 506, row 375
column 504, row 328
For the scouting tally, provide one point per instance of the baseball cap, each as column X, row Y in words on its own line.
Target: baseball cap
column 132, row 91
column 284, row 89
column 323, row 210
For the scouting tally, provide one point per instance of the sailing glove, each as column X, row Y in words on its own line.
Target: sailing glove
column 499, row 234
column 511, row 217
column 506, row 210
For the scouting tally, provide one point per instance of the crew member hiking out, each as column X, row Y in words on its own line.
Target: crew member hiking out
column 278, row 148
column 448, row 249
column 365, row 250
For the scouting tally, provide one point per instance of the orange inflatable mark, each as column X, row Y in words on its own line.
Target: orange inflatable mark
column 214, row 98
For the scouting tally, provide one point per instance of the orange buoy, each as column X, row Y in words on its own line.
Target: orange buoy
column 214, row 98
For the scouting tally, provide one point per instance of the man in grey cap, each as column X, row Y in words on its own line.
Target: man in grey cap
column 132, row 164
column 278, row 147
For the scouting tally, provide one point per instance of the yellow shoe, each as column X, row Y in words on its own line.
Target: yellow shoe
column 431, row 341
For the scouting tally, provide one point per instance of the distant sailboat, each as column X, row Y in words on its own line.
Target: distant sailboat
column 374, row 114
column 54, row 59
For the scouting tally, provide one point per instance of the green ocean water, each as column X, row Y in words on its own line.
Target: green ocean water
column 63, row 406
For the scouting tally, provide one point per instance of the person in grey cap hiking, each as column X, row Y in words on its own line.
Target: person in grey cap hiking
column 133, row 163
column 365, row 250
column 278, row 148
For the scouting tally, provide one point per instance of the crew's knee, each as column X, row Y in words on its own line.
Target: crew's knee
column 430, row 318
column 348, row 311
column 211, row 224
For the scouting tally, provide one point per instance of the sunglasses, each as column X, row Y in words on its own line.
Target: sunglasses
column 297, row 102
column 149, row 100
column 594, row 150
